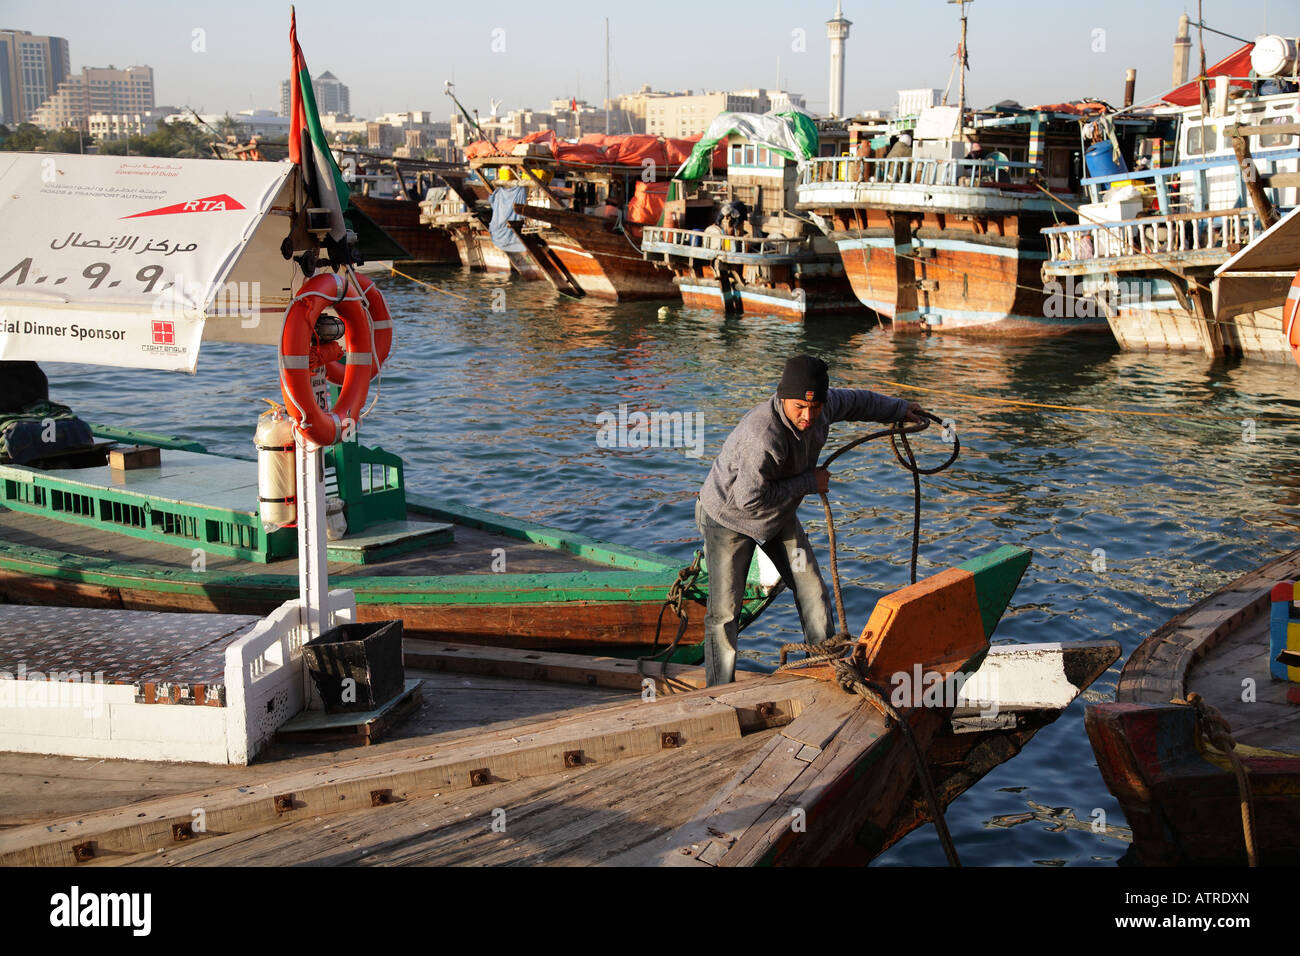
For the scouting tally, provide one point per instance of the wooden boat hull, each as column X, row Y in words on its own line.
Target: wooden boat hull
column 1183, row 806
column 797, row 299
column 977, row 273
column 1179, row 796
column 957, row 280
column 477, row 252
column 605, row 264
column 400, row 218
column 615, row 619
column 1159, row 322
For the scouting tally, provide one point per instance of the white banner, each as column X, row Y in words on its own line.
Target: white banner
column 113, row 260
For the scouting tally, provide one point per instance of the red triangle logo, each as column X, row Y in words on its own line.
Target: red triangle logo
column 219, row 203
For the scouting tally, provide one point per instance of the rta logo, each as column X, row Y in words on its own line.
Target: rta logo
column 164, row 333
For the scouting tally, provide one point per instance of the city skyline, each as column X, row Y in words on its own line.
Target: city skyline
column 519, row 54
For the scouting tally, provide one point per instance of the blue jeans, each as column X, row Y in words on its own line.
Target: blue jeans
column 728, row 555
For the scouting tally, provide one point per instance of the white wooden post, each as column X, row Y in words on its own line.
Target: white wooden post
column 313, row 571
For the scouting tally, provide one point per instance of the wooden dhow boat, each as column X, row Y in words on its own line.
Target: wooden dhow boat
column 185, row 535
column 589, row 229
column 464, row 212
column 752, row 254
column 948, row 238
column 1202, row 696
column 624, row 768
column 1187, row 255
column 940, row 227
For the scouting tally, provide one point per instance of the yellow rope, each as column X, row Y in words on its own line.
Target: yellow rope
column 1084, row 408
column 435, row 288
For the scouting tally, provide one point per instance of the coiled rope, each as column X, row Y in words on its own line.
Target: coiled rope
column 1214, row 729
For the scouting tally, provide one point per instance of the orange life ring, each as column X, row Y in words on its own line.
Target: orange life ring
column 1291, row 317
column 296, row 355
column 381, row 322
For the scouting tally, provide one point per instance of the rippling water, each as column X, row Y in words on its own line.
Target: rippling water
column 1130, row 518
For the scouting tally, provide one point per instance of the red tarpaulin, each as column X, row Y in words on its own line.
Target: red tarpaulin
column 1235, row 64
column 647, row 203
column 597, row 149
column 504, row 147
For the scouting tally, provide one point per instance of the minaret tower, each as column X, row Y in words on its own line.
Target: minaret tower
column 837, row 31
column 1182, row 52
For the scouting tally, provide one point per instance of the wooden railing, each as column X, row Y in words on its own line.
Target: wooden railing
column 1187, row 187
column 1179, row 234
column 914, row 170
column 697, row 244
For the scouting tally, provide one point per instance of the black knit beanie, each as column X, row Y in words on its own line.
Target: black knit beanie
column 805, row 378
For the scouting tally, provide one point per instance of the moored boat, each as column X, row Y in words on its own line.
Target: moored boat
column 464, row 212
column 787, row 768
column 591, row 228
column 390, row 191
column 1152, row 245
column 947, row 237
column 1164, row 754
column 753, row 254
column 99, row 537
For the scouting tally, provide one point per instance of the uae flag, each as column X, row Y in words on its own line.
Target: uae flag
column 307, row 145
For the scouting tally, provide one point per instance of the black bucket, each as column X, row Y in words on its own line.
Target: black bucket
column 368, row 654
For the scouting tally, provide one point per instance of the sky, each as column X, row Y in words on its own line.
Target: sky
column 395, row 55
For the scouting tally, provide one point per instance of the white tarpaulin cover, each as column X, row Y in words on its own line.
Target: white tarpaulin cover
column 792, row 133
column 123, row 261
column 937, row 122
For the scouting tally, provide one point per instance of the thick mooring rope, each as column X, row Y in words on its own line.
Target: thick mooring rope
column 847, row 673
column 1214, row 729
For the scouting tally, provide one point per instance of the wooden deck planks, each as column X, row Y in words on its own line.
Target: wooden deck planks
column 591, row 735
column 1258, row 713
column 582, row 817
column 38, row 788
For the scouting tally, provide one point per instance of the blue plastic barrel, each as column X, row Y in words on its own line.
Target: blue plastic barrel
column 1102, row 161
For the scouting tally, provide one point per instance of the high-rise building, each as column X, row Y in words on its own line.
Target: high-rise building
column 31, row 69
column 837, row 31
column 97, row 90
column 331, row 95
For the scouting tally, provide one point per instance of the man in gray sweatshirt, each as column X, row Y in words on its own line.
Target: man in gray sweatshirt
column 749, row 499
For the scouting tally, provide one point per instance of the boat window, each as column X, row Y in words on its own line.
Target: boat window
column 1274, row 139
column 1194, row 145
column 751, row 155
column 762, row 156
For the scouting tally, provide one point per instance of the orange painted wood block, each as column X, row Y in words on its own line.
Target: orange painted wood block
column 931, row 622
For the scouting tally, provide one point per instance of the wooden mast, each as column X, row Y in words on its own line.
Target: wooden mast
column 962, row 64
